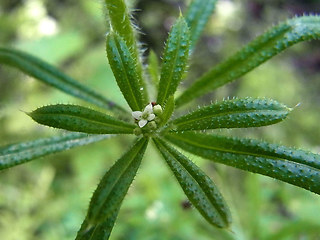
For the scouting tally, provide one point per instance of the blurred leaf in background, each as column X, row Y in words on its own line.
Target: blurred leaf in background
column 47, row 199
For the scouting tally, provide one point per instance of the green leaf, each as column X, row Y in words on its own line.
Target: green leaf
column 254, row 54
column 100, row 231
column 80, row 119
column 198, row 187
column 175, row 60
column 197, row 16
column 168, row 110
column 235, row 113
column 113, row 187
column 119, row 18
column 153, row 68
column 290, row 165
column 125, row 71
column 52, row 76
column 15, row 154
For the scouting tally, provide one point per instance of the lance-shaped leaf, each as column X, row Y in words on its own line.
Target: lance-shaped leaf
column 52, row 76
column 255, row 53
column 198, row 187
column 110, row 193
column 168, row 110
column 125, row 70
column 15, row 154
column 290, row 165
column 99, row 231
column 235, row 113
column 119, row 18
column 80, row 119
column 197, row 16
column 175, row 60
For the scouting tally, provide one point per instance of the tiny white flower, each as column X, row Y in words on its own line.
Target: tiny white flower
column 148, row 109
column 137, row 114
column 145, row 116
column 142, row 123
column 151, row 117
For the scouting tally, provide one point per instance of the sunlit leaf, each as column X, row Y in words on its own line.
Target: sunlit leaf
column 15, row 154
column 255, row 53
column 198, row 187
column 80, row 119
column 290, row 165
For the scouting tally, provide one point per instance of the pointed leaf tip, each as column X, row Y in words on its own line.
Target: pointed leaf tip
column 121, row 21
column 175, row 59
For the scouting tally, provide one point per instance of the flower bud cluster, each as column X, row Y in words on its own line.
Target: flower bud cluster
column 148, row 119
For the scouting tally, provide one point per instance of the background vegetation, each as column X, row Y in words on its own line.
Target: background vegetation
column 47, row 199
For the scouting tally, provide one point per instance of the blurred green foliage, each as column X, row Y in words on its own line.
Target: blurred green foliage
column 47, row 199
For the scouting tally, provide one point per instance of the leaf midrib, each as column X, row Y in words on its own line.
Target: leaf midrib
column 91, row 120
column 117, row 45
column 171, row 73
column 204, row 193
column 202, row 118
column 198, row 144
column 132, row 157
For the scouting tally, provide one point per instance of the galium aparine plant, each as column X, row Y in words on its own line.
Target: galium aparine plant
column 150, row 117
